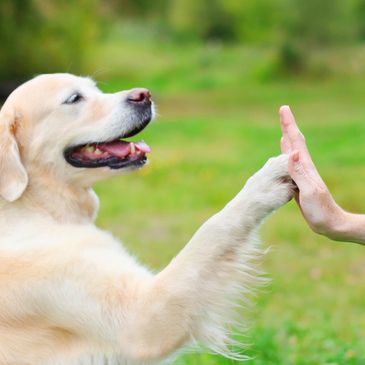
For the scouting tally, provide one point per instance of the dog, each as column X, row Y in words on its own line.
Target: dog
column 69, row 292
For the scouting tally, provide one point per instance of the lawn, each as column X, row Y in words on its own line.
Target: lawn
column 208, row 139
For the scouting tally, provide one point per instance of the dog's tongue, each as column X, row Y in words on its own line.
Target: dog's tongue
column 122, row 149
column 118, row 148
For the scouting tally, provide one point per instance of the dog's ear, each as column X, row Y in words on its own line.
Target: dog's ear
column 13, row 176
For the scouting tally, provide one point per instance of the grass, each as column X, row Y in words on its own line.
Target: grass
column 213, row 132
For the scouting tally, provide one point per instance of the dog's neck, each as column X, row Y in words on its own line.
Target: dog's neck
column 63, row 203
column 72, row 205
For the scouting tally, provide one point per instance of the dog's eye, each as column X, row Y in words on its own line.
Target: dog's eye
column 74, row 98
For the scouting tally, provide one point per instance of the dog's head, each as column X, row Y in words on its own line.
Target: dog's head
column 64, row 124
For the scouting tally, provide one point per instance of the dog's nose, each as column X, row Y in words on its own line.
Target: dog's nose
column 139, row 96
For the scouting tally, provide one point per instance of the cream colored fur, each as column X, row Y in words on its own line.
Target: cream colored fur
column 69, row 292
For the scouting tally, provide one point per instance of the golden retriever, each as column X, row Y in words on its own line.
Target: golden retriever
column 69, row 292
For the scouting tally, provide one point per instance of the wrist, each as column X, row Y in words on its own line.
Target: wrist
column 327, row 217
column 339, row 226
column 349, row 227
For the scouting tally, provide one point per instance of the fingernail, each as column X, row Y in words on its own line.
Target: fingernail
column 283, row 107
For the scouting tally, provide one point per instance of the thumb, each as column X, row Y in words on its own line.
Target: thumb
column 298, row 173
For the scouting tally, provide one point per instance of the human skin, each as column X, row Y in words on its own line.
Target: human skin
column 318, row 207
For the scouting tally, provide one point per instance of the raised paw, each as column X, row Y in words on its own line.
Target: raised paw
column 271, row 187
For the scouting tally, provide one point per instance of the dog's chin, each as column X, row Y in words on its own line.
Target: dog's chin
column 115, row 154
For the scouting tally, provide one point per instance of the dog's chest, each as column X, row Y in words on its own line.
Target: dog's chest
column 90, row 360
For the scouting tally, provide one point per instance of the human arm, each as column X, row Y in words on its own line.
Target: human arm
column 314, row 199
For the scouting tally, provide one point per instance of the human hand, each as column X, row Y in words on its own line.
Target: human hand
column 316, row 203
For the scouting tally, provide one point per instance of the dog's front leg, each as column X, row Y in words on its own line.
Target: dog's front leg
column 195, row 296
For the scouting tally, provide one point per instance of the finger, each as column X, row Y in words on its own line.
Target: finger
column 284, row 146
column 285, row 120
column 298, row 172
column 305, row 176
column 303, row 169
column 291, row 130
column 297, row 200
column 295, row 138
column 296, row 169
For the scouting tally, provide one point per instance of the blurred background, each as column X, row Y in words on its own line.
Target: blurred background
column 219, row 70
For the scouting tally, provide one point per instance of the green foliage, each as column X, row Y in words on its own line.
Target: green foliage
column 291, row 58
column 205, row 19
column 18, row 27
column 47, row 35
column 360, row 19
column 42, row 36
column 313, row 24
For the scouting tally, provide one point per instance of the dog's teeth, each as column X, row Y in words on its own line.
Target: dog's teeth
column 90, row 149
column 97, row 151
column 133, row 148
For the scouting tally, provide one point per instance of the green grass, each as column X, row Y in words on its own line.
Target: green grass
column 207, row 141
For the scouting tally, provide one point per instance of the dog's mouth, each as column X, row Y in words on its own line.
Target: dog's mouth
column 116, row 154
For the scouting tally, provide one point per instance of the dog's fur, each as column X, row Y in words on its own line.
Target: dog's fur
column 69, row 293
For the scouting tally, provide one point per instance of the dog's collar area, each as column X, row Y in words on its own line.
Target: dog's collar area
column 116, row 154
